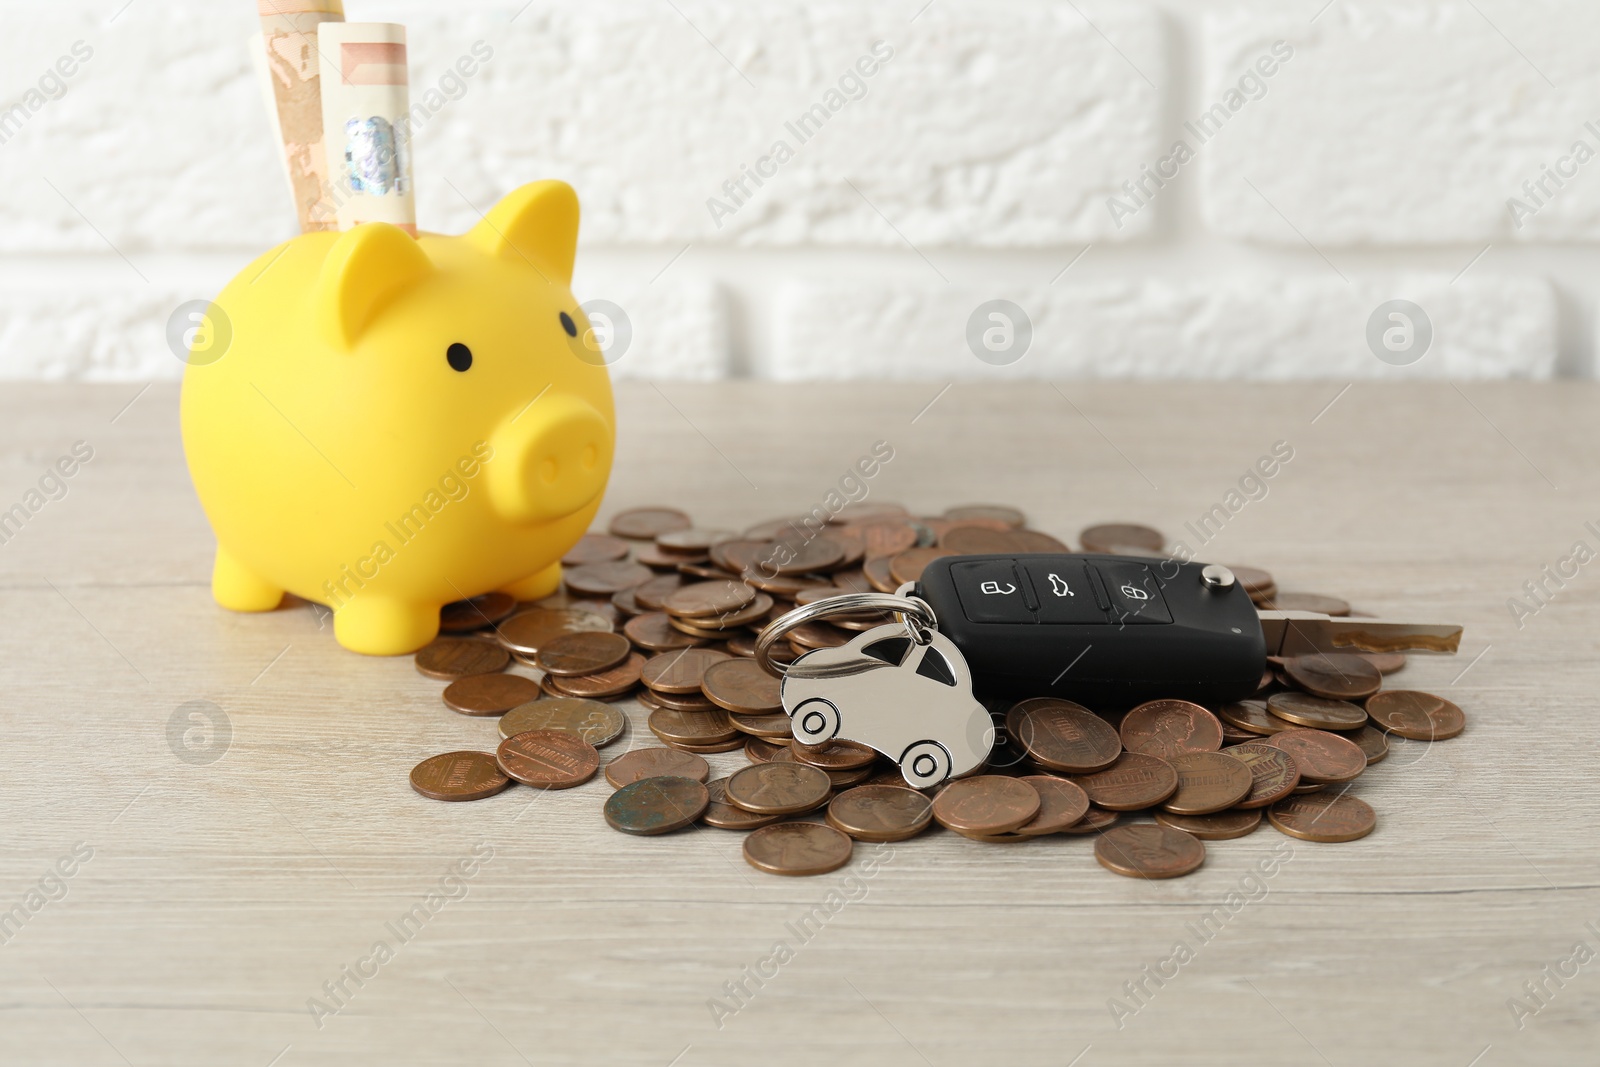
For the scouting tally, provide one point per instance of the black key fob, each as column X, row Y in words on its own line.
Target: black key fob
column 1106, row 631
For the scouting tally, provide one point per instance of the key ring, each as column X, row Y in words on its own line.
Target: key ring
column 913, row 613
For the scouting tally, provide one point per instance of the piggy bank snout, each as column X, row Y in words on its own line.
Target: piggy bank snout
column 550, row 460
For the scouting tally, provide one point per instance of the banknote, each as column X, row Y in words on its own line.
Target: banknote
column 366, row 104
column 289, row 31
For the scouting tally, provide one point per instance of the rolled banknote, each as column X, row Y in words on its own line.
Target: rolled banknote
column 256, row 46
column 289, row 29
column 366, row 105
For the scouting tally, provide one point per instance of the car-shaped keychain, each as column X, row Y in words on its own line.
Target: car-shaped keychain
column 902, row 689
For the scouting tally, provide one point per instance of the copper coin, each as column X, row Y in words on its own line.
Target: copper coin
column 1386, row 662
column 656, row 805
column 1035, row 541
column 778, row 788
column 739, row 554
column 740, row 685
column 475, row 614
column 1319, row 713
column 602, row 607
column 611, row 682
column 1231, row 735
column 757, row 750
column 1273, row 773
column 650, row 698
column 1415, row 715
column 1322, row 757
column 837, row 755
column 882, row 539
column 1095, row 821
column 646, row 524
column 692, row 540
column 1316, row 602
column 972, row 539
column 680, row 672
column 1166, row 728
column 725, row 746
column 1207, row 782
column 1101, row 538
column 861, row 511
column 909, row 565
column 525, row 632
column 582, row 653
column 596, row 723
column 1146, row 850
column 1373, row 743
column 548, row 759
column 489, row 694
column 998, row 512
column 809, row 635
column 449, row 658
column 708, row 598
column 652, row 594
column 595, row 548
column 1135, row 781
column 820, row 553
column 649, row 762
column 661, row 559
column 1063, row 736
column 1324, row 817
column 692, row 727
column 1252, row 717
column 1335, row 675
column 797, row 848
column 603, row 579
column 1254, row 580
column 840, row 779
column 458, row 776
column 878, row 574
column 654, row 631
column 880, row 812
column 725, row 816
column 1218, row 826
column 1061, row 805
column 752, row 614
column 986, row 804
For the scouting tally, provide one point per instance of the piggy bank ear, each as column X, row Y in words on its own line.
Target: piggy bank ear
column 536, row 224
column 366, row 269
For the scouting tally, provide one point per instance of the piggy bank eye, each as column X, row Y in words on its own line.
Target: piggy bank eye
column 568, row 325
column 459, row 355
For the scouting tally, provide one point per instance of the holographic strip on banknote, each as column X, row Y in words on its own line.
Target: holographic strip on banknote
column 366, row 98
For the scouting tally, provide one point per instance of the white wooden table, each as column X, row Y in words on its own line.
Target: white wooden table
column 220, row 898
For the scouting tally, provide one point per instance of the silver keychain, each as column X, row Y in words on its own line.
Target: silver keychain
column 902, row 688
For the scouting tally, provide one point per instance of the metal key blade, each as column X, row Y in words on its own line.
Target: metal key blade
column 1292, row 633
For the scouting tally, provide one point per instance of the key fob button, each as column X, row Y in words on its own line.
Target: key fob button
column 1135, row 593
column 1063, row 591
column 991, row 592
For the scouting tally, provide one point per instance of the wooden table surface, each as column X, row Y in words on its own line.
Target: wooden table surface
column 210, row 904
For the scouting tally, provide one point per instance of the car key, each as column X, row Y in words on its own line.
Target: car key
column 1114, row 631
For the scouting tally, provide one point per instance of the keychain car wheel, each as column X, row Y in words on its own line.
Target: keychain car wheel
column 815, row 721
column 925, row 763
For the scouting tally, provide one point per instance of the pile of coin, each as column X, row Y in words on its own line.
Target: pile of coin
column 661, row 613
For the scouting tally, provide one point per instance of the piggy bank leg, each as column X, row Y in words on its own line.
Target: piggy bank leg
column 237, row 588
column 537, row 586
column 377, row 627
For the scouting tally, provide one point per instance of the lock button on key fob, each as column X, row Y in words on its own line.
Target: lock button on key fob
column 992, row 591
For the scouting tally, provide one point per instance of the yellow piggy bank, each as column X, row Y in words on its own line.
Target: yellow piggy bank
column 402, row 422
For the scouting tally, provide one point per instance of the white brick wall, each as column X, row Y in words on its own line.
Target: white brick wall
column 977, row 161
